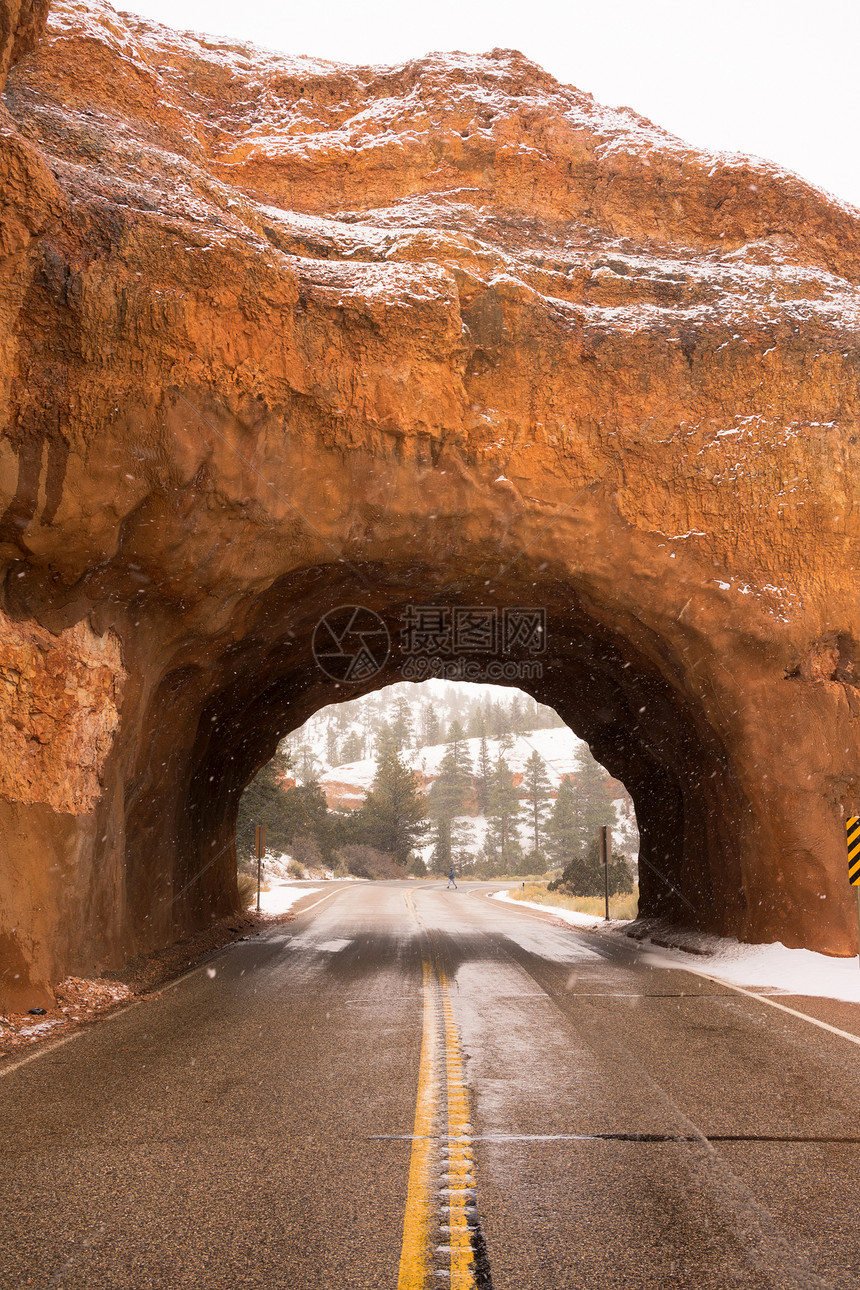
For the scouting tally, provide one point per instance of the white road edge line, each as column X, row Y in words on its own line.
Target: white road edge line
column 135, row 1003
column 328, row 896
column 771, row 1003
column 739, row 989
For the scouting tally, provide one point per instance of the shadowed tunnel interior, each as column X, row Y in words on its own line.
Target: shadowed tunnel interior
column 647, row 734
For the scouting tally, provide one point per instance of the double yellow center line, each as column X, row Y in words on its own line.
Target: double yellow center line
column 461, row 1158
column 421, row 1217
column 440, row 1220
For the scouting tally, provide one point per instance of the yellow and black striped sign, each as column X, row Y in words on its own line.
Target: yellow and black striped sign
column 852, row 832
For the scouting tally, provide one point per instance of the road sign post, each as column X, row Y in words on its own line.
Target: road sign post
column 852, row 837
column 605, row 853
column 260, row 845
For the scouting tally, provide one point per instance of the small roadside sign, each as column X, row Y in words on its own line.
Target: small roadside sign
column 852, row 834
column 852, row 837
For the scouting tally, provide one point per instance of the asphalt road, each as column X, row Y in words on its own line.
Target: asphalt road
column 411, row 1087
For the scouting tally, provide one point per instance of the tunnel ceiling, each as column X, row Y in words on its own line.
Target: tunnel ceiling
column 280, row 334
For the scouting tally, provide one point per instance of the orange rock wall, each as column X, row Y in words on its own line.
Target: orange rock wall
column 59, row 713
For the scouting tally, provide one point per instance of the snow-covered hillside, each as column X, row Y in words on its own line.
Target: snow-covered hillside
column 345, row 786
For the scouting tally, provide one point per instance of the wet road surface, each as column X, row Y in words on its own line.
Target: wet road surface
column 410, row 1087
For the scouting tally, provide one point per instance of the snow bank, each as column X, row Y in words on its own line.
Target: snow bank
column 773, row 967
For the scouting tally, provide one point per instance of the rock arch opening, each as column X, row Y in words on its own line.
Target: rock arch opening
column 504, row 788
column 646, row 733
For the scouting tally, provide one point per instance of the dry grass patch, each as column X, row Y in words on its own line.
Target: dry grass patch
column 619, row 906
column 247, row 886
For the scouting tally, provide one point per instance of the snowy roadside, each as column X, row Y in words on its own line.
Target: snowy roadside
column 77, row 999
column 282, row 896
column 771, row 967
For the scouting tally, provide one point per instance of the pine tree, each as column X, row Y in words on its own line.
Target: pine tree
column 516, row 721
column 446, row 800
column 564, row 845
column 562, row 830
column 457, row 738
column 620, row 876
column 401, row 727
column 352, row 748
column 392, row 815
column 504, row 810
column 475, row 727
column 498, row 719
column 385, row 741
column 331, row 750
column 537, row 793
column 303, row 813
column 594, row 799
column 262, row 803
column 482, row 777
column 573, row 834
column 308, row 764
column 430, row 733
column 288, row 813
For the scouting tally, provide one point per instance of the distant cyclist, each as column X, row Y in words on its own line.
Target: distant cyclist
column 452, row 880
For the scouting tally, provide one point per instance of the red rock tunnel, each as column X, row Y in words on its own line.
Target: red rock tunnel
column 280, row 336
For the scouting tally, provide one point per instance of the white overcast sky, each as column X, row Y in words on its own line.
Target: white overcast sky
column 777, row 78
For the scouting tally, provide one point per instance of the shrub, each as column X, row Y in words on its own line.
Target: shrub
column 367, row 862
column 306, row 854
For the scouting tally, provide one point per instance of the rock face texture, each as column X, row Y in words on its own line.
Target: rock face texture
column 58, row 712
column 279, row 335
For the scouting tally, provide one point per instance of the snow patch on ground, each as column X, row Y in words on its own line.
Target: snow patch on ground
column 281, row 897
column 278, row 867
column 39, row 1028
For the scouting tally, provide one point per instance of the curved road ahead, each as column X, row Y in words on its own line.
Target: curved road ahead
column 409, row 1087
